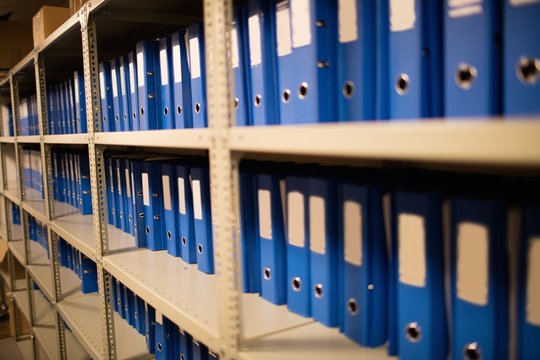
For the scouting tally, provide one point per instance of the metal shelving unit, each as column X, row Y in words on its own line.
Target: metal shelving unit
column 209, row 307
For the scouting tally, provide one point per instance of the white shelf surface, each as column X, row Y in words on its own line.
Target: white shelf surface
column 7, row 139
column 309, row 342
column 26, row 349
column 179, row 138
column 75, row 228
column 81, row 313
column 28, row 139
column 46, row 336
column 466, row 141
column 16, row 232
column 38, row 254
column 66, row 139
column 19, row 283
column 17, row 249
column 12, row 193
column 34, row 204
column 41, row 274
column 44, row 309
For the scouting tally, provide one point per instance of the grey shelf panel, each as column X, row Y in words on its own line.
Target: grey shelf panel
column 81, row 313
column 17, row 249
column 26, row 349
column 7, row 139
column 66, row 139
column 309, row 342
column 44, row 309
column 46, row 336
column 28, row 139
column 38, row 254
column 12, row 193
column 463, row 141
column 180, row 138
column 74, row 228
column 41, row 274
column 35, row 205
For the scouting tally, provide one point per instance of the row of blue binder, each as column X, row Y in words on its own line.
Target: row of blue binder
column 66, row 106
column 164, row 203
column 364, row 251
column 80, row 264
column 32, row 170
column 156, row 86
column 71, row 179
column 28, row 116
column 163, row 338
column 15, row 214
column 38, row 233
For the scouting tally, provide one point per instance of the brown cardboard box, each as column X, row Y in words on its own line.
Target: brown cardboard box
column 16, row 42
column 75, row 5
column 46, row 20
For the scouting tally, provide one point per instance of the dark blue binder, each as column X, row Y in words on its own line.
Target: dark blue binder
column 105, row 90
column 116, row 95
column 182, row 108
column 152, row 194
column 166, row 82
column 80, row 102
column 148, row 84
column 186, row 220
column 125, row 116
column 202, row 214
column 133, row 92
column 170, row 209
column 198, row 74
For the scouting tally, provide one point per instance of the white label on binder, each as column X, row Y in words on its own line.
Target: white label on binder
column 181, row 196
column 234, row 48
column 317, row 224
column 128, row 183
column 145, row 190
column 164, row 66
column 122, row 80
column 533, row 282
column 402, row 15
column 133, row 189
column 473, row 263
column 197, row 201
column 76, row 85
column 114, row 83
column 101, row 85
column 295, row 219
column 412, row 250
column 177, row 63
column 265, row 213
column 140, row 69
column 301, row 23
column 119, row 180
column 462, row 8
column 523, row 2
column 348, row 22
column 255, row 40
column 166, row 192
column 352, row 224
column 194, row 54
column 283, row 24
column 159, row 317
column 131, row 78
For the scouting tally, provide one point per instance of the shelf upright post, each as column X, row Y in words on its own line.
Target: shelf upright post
column 97, row 178
column 46, row 164
column 217, row 20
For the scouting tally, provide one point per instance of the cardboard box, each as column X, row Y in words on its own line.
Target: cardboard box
column 47, row 20
column 16, row 42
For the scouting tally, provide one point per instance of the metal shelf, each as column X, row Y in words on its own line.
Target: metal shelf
column 19, row 283
column 17, row 249
column 13, row 195
column 179, row 139
column 28, row 139
column 34, row 204
column 66, row 139
column 44, row 309
column 46, row 336
column 26, row 349
column 7, row 139
column 81, row 313
column 42, row 276
column 38, row 254
column 471, row 141
column 313, row 342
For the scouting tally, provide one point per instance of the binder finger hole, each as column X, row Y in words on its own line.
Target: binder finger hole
column 528, row 70
column 159, row 347
column 197, row 108
column 125, row 116
column 142, row 111
column 352, row 306
column 166, row 111
column 134, row 114
column 465, row 76
column 179, row 110
column 472, row 352
column 413, row 332
column 303, row 90
column 182, row 357
column 104, row 119
column 318, row 291
column 402, row 84
column 169, row 235
column 184, row 241
column 200, row 248
column 286, row 96
column 296, row 283
column 258, row 100
column 348, row 89
column 147, row 230
column 267, row 274
column 116, row 117
column 236, row 102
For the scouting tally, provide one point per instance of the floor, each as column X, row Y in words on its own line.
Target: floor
column 8, row 346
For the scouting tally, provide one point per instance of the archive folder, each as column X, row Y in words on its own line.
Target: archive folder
column 363, row 266
column 186, row 219
column 184, row 345
column 198, row 74
column 119, row 193
column 202, row 214
column 88, row 275
column 356, row 55
column 521, row 57
column 148, row 84
column 472, row 81
column 160, row 337
column 165, row 67
column 139, row 210
column 479, row 278
column 298, row 254
column 420, row 300
column 239, row 41
column 116, row 94
column 170, row 223
column 200, row 351
column 529, row 284
column 80, row 102
column 152, row 205
column 271, row 237
column 150, row 325
column 125, row 116
column 133, row 92
column 182, row 85
column 140, row 321
column 105, row 89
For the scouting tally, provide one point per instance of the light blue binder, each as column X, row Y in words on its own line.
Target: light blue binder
column 182, row 108
column 198, row 74
column 202, row 214
column 166, row 83
column 148, row 87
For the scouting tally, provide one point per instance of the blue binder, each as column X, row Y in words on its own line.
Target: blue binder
column 529, row 320
column 200, row 351
column 128, row 195
column 271, row 236
column 148, row 84
column 111, row 211
column 80, row 102
column 239, row 60
column 140, row 321
column 262, row 90
column 89, row 275
column 152, row 193
column 198, row 75
column 356, row 59
column 170, row 223
column 323, row 243
column 521, row 57
column 472, row 81
column 363, row 267
column 86, row 193
column 120, row 185
column 479, row 279
column 150, row 325
column 184, row 345
column 129, row 306
column 161, row 337
column 116, row 297
column 140, row 237
column 116, row 94
column 382, row 68
column 182, row 85
column 298, row 254
column 419, row 275
column 305, row 57
column 171, row 335
column 166, row 79
column 70, row 110
column 105, row 90
column 202, row 215
column 117, row 196
column 415, row 80
column 120, row 299
column 186, row 219
column 125, row 117
column 133, row 92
